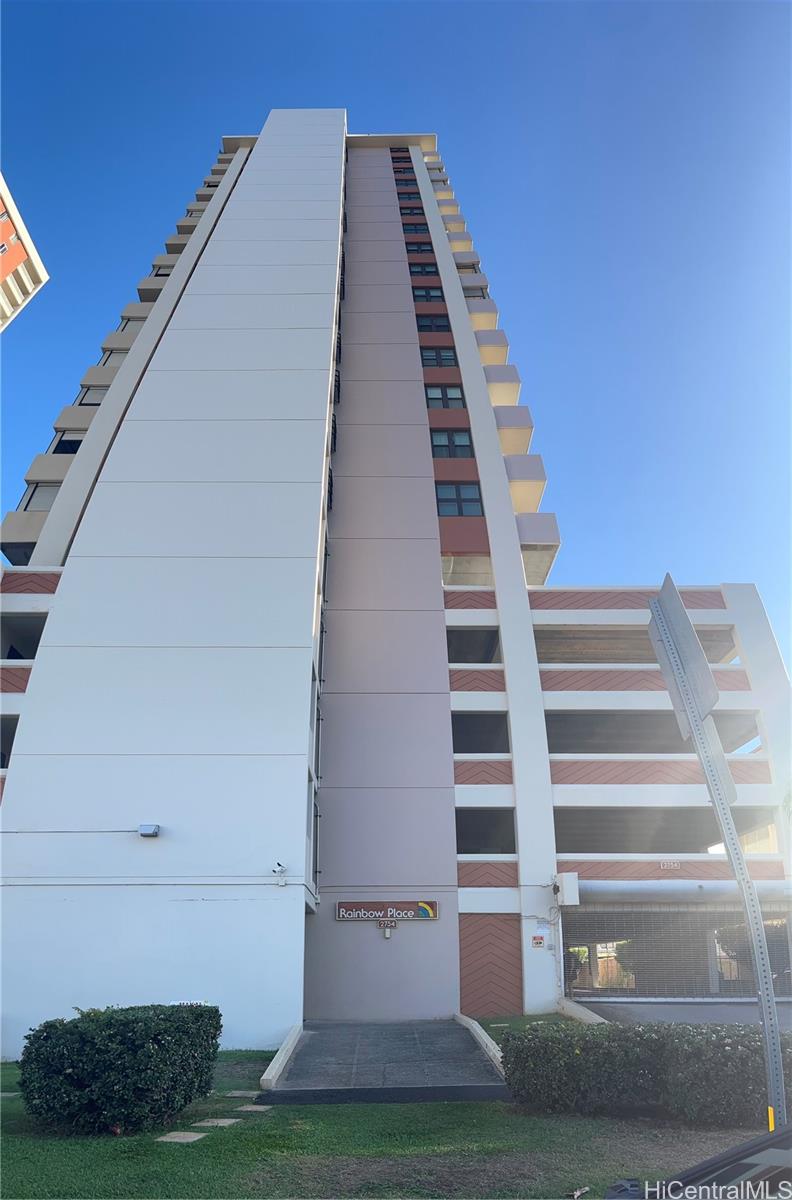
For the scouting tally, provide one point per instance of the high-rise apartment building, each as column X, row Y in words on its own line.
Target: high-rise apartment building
column 22, row 272
column 292, row 723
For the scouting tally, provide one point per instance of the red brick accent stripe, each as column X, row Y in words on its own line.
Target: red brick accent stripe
column 470, row 600
column 483, row 772
column 629, row 681
column 617, row 771
column 14, row 679
column 705, row 598
column 638, row 869
column 490, row 964
column 43, row 582
column 487, row 874
column 477, row 681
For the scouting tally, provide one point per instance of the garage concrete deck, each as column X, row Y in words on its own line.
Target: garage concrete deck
column 340, row 1062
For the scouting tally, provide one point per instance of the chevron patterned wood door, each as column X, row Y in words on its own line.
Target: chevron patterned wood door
column 490, row 960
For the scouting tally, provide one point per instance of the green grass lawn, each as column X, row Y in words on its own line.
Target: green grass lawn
column 497, row 1026
column 319, row 1151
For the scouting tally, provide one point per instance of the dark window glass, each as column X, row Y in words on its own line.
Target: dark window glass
column 438, row 356
column 409, row 195
column 410, row 211
column 404, row 171
column 401, row 159
column 473, row 645
column 444, row 396
column 67, row 446
column 480, row 733
column 451, row 443
column 458, row 500
column 423, row 268
column 419, row 248
column 433, row 324
column 415, row 227
column 426, row 294
column 485, row 831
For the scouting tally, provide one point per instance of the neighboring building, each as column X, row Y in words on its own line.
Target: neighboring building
column 22, row 272
column 271, row 597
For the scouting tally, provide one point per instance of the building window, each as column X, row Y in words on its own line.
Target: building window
column 485, row 831
column 400, row 159
column 69, row 443
column 438, row 356
column 433, row 324
column 409, row 195
column 445, row 396
column 423, row 268
column 476, row 293
column 92, row 396
column 4, row 216
column 408, row 211
column 480, row 733
column 42, row 497
column 415, row 227
column 3, row 247
column 458, row 500
column 403, row 171
column 451, row 443
column 476, row 645
column 419, row 248
column 468, row 270
column 427, row 295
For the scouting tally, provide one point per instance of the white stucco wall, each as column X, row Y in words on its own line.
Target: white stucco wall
column 173, row 682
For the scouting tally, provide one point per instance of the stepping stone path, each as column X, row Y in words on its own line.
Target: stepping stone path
column 181, row 1136
column 242, row 1095
column 215, row 1122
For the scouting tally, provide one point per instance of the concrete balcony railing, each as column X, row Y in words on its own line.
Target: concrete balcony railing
column 100, row 376
column 483, row 314
column 493, row 347
column 20, row 532
column 176, row 242
column 150, row 287
column 460, row 239
column 466, row 258
column 454, row 222
column 527, row 481
column 74, row 417
column 503, row 384
column 48, row 468
column 539, row 542
column 515, row 425
column 474, row 281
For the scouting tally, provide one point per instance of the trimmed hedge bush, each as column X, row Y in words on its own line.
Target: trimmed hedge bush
column 702, row 1074
column 118, row 1070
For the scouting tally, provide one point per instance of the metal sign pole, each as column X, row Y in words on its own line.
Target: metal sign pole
column 693, row 694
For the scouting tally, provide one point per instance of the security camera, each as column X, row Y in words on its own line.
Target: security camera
column 280, row 871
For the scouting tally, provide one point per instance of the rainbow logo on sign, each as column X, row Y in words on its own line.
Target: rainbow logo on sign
column 425, row 909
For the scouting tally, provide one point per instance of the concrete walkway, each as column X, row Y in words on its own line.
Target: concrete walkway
column 732, row 1012
column 339, row 1062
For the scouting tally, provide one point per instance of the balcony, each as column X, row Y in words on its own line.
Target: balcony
column 493, row 347
column 454, row 222
column 483, row 313
column 515, row 426
column 466, row 259
column 460, row 239
column 19, row 534
column 673, row 781
column 122, row 339
column 151, row 287
column 527, row 481
column 100, row 376
column 48, row 468
column 539, row 542
column 503, row 384
column 187, row 224
column 474, row 283
column 176, row 242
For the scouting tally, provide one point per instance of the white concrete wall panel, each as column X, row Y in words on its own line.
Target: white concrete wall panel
column 387, row 795
column 175, row 684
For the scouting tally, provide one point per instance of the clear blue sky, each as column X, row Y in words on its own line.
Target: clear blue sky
column 625, row 171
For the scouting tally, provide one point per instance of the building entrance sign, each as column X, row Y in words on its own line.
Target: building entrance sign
column 386, row 910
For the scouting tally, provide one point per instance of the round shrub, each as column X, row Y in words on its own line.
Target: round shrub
column 118, row 1070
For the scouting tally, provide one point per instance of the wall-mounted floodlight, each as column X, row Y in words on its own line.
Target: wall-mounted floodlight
column 148, row 830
